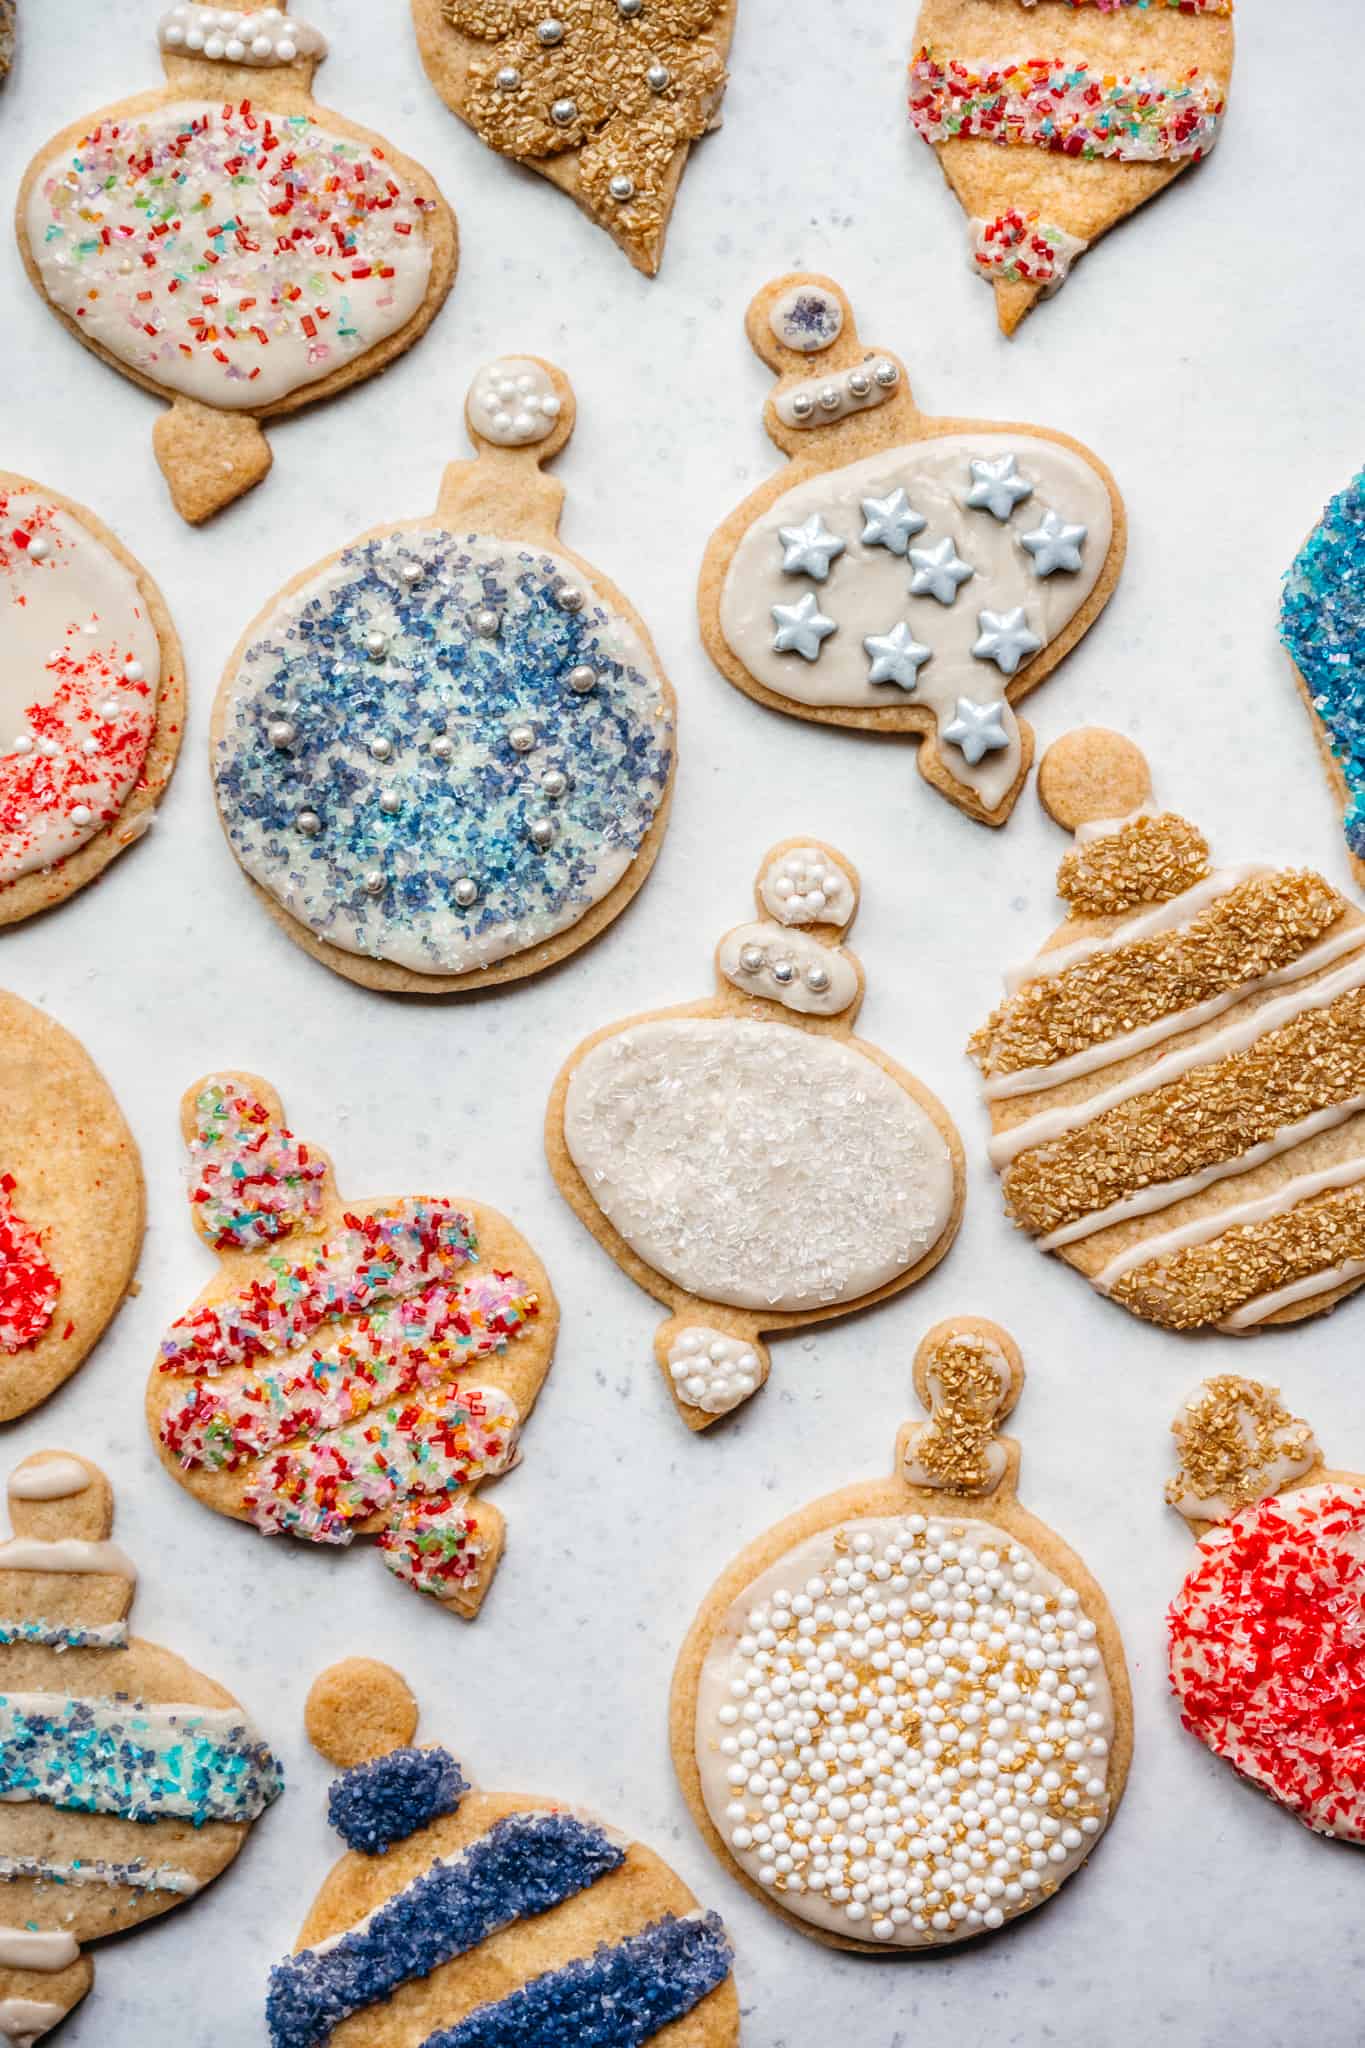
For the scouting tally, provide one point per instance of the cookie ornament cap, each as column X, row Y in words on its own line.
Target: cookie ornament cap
column 605, row 98
column 468, row 1919
column 1176, row 1083
column 904, row 574
column 1052, row 124
column 1266, row 1659
column 746, row 1159
column 129, row 1781
column 1322, row 626
column 445, row 755
column 954, row 1771
column 353, row 1368
column 232, row 246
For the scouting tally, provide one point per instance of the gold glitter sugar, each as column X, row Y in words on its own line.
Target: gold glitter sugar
column 1205, row 1282
column 1148, row 861
column 1230, row 1438
column 969, row 1378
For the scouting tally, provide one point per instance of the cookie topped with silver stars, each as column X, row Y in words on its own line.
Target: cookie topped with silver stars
column 904, row 574
column 444, row 756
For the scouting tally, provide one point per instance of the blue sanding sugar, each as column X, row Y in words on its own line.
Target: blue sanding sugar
column 617, row 1998
column 386, row 1801
column 526, row 1863
column 1322, row 623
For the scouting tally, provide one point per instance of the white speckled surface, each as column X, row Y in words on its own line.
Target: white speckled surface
column 1208, row 352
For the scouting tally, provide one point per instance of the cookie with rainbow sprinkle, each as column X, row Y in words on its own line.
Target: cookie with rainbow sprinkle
column 902, row 1716
column 469, row 1919
column 128, row 1780
column 231, row 246
column 353, row 1368
column 1322, row 626
column 1176, row 1082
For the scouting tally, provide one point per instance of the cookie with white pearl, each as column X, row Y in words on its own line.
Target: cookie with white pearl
column 746, row 1159
column 902, row 1716
column 444, row 756
column 903, row 574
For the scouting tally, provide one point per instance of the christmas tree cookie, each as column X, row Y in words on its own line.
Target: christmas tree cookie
column 745, row 1158
column 605, row 98
column 444, row 756
column 467, row 1919
column 902, row 574
column 1266, row 1656
column 953, row 1768
column 1053, row 123
column 6, row 37
column 1177, row 1082
column 1322, row 625
column 92, row 698
column 128, row 1779
column 71, row 1206
column 232, row 246
column 354, row 1368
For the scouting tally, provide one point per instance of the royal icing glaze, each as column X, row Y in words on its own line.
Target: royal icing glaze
column 142, row 1762
column 48, row 1479
column 440, row 752
column 238, row 35
column 1322, row 624
column 29, row 1284
column 30, row 1948
column 819, row 400
column 78, row 690
column 23, row 2021
column 789, row 968
column 230, row 253
column 65, row 1554
column 712, row 1371
column 1065, row 105
column 513, row 402
column 806, row 319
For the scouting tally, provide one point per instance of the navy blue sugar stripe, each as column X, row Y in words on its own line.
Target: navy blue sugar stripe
column 618, row 1998
column 525, row 1864
column 385, row 1801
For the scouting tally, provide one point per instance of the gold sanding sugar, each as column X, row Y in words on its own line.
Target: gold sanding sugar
column 1258, row 927
column 1229, row 1439
column 1148, row 861
column 1211, row 1114
column 972, row 1378
column 1205, row 1282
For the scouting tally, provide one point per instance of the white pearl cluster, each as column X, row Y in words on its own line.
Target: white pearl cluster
column 514, row 402
column 235, row 35
column 712, row 1371
column 805, row 887
column 915, row 1740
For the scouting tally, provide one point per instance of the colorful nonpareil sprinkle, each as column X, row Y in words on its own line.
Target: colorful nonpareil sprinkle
column 620, row 1998
column 524, row 1865
column 60, row 1635
column 1019, row 248
column 442, row 750
column 141, row 1762
column 388, row 1799
column 433, row 1543
column 229, row 252
column 29, row 1286
column 1322, row 623
column 1266, row 1652
column 137, row 1876
column 1062, row 104
column 252, row 1182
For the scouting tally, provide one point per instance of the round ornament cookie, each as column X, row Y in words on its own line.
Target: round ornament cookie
column 605, row 98
column 902, row 1716
column 1053, row 125
column 1322, row 626
column 903, row 574
column 746, row 1159
column 72, row 1206
column 467, row 1919
column 129, row 1781
column 92, row 697
column 353, row 1368
column 1264, row 1637
column 445, row 755
column 232, row 246
column 1176, row 1083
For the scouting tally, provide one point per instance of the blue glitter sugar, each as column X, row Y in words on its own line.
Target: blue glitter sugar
column 384, row 1802
column 1322, row 623
column 144, row 1763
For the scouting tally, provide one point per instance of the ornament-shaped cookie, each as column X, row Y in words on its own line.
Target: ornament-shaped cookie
column 1322, row 625
column 954, row 1769
column 605, row 98
column 128, row 1779
column 1054, row 123
column 71, row 1206
column 467, row 1919
column 904, row 574
column 6, row 38
column 1266, row 1655
column 444, row 756
column 745, row 1158
column 92, row 697
column 232, row 246
column 354, row 1368
column 1176, row 1083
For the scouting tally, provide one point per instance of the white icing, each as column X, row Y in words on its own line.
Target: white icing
column 514, row 402
column 712, row 1371
column 1278, row 1472
column 26, row 1948
column 232, row 35
column 796, row 954
column 140, row 1876
column 818, row 401
column 868, row 588
column 806, row 318
column 1287, row 1196
column 1092, row 829
column 755, row 1164
column 67, row 1554
column 982, row 250
column 1263, row 1306
column 806, row 886
column 48, row 1479
column 1174, row 915
column 25, row 2020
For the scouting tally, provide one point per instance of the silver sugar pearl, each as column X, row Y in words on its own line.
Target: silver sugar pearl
column 466, row 891
column 658, row 78
column 622, row 188
column 582, row 679
column 508, row 79
column 554, row 782
column 380, row 747
column 374, row 882
column 411, row 572
column 783, row 972
column 280, row 733
column 563, row 112
column 486, row 623
column 629, row 9
column 310, row 824
column 521, row 738
column 817, row 980
column 390, row 802
column 752, row 958
column 542, row 832
column 859, row 383
column 549, row 32
column 443, row 749
column 831, row 398
column 376, row 646
column 569, row 597
column 886, row 374
column 803, row 405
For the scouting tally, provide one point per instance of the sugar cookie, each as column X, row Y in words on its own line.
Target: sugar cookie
column 1322, row 625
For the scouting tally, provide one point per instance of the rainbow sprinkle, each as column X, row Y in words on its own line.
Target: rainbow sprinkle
column 1019, row 248
column 1322, row 623
column 1061, row 104
column 252, row 1181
